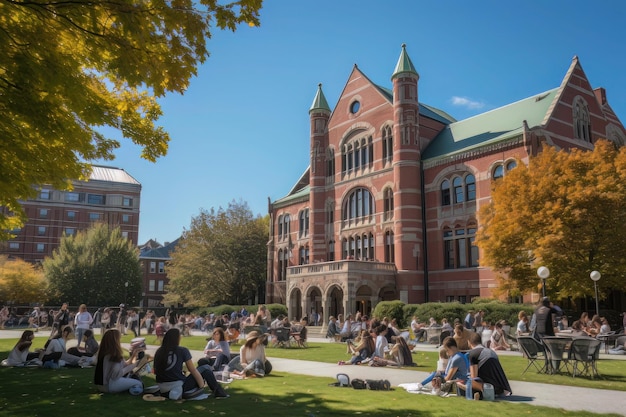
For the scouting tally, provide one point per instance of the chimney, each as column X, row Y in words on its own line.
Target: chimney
column 600, row 95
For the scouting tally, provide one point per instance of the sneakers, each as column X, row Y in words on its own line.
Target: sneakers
column 420, row 386
column 341, row 363
column 222, row 397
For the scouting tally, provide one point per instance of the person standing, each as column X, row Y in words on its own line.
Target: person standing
column 82, row 322
column 544, row 320
column 61, row 320
column 121, row 319
column 469, row 320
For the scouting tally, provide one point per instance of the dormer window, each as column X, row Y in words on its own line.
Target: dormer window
column 582, row 121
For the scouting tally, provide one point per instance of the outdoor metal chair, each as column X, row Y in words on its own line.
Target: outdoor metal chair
column 556, row 351
column 534, row 352
column 282, row 336
column 584, row 353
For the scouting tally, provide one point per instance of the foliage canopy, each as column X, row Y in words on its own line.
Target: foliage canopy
column 222, row 258
column 93, row 267
column 21, row 282
column 69, row 69
column 565, row 210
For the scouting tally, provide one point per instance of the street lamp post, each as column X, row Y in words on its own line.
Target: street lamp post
column 595, row 277
column 125, row 291
column 543, row 273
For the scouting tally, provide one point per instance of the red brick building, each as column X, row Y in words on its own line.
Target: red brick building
column 387, row 207
column 111, row 196
column 154, row 258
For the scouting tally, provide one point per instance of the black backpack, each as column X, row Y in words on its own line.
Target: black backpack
column 378, row 384
column 358, row 384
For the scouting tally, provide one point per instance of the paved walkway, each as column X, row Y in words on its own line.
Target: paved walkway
column 549, row 395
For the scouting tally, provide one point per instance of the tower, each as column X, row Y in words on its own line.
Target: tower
column 319, row 114
column 407, row 175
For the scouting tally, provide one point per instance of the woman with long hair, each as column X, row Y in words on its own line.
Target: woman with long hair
column 55, row 350
column 251, row 359
column 168, row 367
column 111, row 368
column 21, row 354
column 217, row 350
column 364, row 350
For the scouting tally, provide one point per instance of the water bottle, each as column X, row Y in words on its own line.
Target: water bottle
column 468, row 389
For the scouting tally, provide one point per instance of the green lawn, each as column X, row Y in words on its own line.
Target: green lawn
column 69, row 392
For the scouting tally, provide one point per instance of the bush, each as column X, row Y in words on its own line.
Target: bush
column 391, row 310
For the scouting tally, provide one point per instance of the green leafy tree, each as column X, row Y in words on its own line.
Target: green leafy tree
column 222, row 258
column 68, row 69
column 93, row 267
column 565, row 210
column 21, row 282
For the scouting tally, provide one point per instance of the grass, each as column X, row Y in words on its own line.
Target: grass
column 69, row 392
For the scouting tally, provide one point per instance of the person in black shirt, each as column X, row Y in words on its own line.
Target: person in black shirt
column 544, row 320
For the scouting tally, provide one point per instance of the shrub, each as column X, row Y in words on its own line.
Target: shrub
column 391, row 310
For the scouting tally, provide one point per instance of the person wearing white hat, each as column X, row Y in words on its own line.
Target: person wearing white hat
column 251, row 359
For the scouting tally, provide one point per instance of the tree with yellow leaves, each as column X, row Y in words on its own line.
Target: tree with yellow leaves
column 68, row 69
column 566, row 210
column 21, row 282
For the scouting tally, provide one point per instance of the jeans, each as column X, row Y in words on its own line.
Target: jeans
column 124, row 384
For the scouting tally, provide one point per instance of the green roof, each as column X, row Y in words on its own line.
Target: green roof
column 319, row 102
column 425, row 110
column 404, row 64
column 493, row 126
column 300, row 194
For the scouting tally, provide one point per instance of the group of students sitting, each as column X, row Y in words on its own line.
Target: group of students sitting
column 379, row 345
column 55, row 353
column 455, row 369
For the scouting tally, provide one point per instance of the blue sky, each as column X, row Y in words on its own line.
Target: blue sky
column 241, row 131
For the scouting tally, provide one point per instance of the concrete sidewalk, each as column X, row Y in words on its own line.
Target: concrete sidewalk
column 549, row 395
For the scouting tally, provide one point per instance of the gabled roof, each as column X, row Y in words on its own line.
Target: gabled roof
column 495, row 125
column 164, row 252
column 425, row 110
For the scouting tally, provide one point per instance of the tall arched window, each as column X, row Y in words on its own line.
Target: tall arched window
column 470, row 187
column 330, row 166
column 357, row 155
column 387, row 145
column 388, row 204
column 358, row 206
column 389, row 247
column 498, row 172
column 445, row 193
column 457, row 183
column 304, row 223
column 582, row 121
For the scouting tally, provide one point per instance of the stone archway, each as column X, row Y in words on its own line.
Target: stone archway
column 314, row 305
column 295, row 304
column 363, row 300
column 335, row 301
column 387, row 293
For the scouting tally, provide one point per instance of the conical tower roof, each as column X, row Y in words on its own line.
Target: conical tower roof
column 319, row 102
column 404, row 64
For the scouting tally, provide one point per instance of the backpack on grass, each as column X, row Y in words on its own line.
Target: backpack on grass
column 378, row 384
column 358, row 384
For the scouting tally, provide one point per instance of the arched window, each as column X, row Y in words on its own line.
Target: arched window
column 389, row 247
column 388, row 204
column 582, row 122
column 286, row 226
column 330, row 166
column 303, row 255
column 510, row 165
column 457, row 183
column 470, row 187
column 304, row 223
column 445, row 193
column 330, row 214
column 330, row 252
column 357, row 155
column 280, row 227
column 387, row 145
column 359, row 205
column 498, row 172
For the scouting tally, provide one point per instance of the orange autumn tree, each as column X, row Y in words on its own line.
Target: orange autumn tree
column 566, row 210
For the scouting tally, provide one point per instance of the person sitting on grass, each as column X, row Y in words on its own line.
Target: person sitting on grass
column 20, row 355
column 217, row 350
column 168, row 368
column 251, row 359
column 485, row 368
column 456, row 368
column 112, row 371
column 90, row 348
column 363, row 351
column 55, row 350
